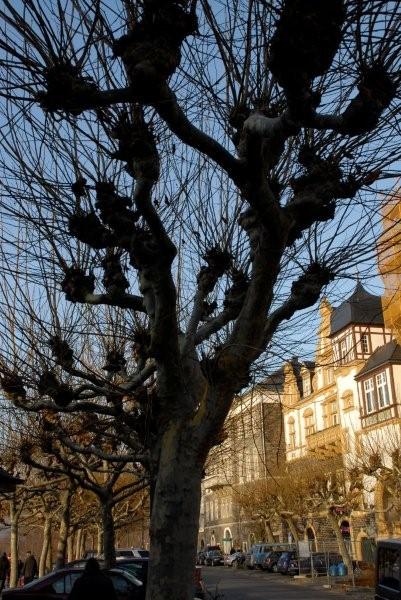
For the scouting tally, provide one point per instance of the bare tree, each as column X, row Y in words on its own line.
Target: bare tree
column 210, row 165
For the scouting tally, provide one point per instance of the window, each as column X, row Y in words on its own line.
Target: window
column 369, row 395
column 291, row 433
column 309, row 422
column 306, row 386
column 365, row 343
column 348, row 400
column 343, row 352
column 330, row 415
column 382, row 390
column 389, row 568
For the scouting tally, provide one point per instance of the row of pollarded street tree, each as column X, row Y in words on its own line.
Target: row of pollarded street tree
column 72, row 490
column 314, row 487
column 187, row 176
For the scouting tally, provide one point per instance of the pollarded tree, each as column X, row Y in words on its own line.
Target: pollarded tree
column 208, row 165
column 71, row 449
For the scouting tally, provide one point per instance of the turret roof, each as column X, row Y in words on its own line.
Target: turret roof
column 361, row 307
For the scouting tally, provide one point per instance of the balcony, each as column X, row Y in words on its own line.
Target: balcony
column 328, row 442
column 214, row 482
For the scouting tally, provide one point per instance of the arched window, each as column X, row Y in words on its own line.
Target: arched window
column 330, row 413
column 309, row 422
column 311, row 539
column 227, row 541
column 291, row 433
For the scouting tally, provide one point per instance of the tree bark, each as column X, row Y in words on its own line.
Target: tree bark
column 340, row 541
column 174, row 520
column 64, row 528
column 45, row 546
column 109, row 550
column 14, row 521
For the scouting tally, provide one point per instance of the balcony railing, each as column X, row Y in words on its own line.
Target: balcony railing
column 328, row 442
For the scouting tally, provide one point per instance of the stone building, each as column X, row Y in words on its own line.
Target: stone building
column 253, row 444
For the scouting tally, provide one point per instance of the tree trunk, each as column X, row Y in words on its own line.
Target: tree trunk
column 45, row 546
column 99, row 539
column 83, row 544
column 292, row 528
column 49, row 557
column 174, row 520
column 340, row 541
column 269, row 532
column 64, row 528
column 14, row 521
column 109, row 550
column 78, row 544
column 70, row 546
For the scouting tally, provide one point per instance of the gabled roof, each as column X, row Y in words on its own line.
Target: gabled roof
column 360, row 308
column 389, row 353
column 274, row 382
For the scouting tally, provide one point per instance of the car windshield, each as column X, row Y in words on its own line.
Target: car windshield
column 143, row 553
column 124, row 553
column 137, row 582
column 138, row 570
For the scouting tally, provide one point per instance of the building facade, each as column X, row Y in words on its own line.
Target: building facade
column 253, row 445
column 344, row 407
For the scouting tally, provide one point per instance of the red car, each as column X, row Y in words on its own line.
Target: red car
column 57, row 586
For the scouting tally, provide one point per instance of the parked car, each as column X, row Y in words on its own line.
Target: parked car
column 214, row 557
column 388, row 570
column 271, row 559
column 284, row 561
column 256, row 556
column 58, row 584
column 134, row 552
column 235, row 560
column 138, row 567
column 315, row 565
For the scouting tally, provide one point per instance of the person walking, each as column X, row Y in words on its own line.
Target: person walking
column 4, row 570
column 93, row 584
column 30, row 569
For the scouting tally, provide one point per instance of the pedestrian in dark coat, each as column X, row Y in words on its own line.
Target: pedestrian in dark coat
column 4, row 570
column 93, row 584
column 30, row 569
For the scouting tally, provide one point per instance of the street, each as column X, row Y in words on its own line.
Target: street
column 256, row 585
